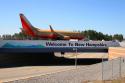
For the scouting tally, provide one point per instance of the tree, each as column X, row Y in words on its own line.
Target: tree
column 94, row 35
column 118, row 37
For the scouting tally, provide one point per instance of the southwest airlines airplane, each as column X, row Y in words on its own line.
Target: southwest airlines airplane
column 30, row 30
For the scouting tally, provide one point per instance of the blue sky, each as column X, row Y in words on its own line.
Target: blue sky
column 107, row 16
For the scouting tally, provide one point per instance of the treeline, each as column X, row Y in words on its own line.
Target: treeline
column 17, row 36
column 89, row 34
column 94, row 35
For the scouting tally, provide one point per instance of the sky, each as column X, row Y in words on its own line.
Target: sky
column 107, row 16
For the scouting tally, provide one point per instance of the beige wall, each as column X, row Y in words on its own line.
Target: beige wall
column 115, row 52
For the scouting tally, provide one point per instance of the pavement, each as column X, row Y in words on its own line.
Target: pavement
column 26, row 72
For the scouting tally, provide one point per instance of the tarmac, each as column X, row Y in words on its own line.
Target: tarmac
column 29, row 71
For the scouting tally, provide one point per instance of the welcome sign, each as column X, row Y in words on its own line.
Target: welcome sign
column 54, row 44
column 75, row 44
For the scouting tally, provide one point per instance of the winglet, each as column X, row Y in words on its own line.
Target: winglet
column 51, row 28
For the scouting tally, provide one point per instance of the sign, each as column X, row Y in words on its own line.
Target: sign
column 75, row 44
column 47, row 43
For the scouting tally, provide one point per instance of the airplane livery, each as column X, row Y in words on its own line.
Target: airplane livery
column 30, row 30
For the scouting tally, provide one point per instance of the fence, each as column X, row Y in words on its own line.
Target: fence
column 113, row 69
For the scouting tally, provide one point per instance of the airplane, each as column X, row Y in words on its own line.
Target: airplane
column 32, row 31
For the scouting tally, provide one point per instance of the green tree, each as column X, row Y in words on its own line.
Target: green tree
column 118, row 37
column 94, row 35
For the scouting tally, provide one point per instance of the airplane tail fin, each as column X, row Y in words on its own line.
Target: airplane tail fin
column 27, row 26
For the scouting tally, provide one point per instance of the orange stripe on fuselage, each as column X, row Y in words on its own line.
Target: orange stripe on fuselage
column 73, row 35
column 58, row 31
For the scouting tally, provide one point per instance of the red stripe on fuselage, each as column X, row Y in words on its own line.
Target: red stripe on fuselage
column 51, row 36
column 79, row 38
column 55, row 37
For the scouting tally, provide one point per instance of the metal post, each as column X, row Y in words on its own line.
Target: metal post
column 120, row 68
column 102, row 67
column 75, row 57
column 112, row 69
